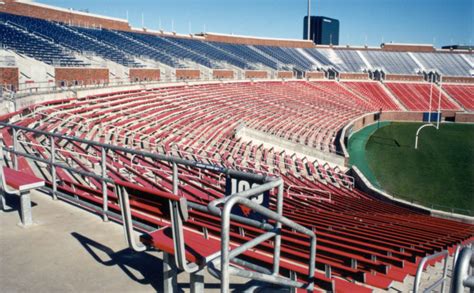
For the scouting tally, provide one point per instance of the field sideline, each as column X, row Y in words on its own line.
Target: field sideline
column 439, row 174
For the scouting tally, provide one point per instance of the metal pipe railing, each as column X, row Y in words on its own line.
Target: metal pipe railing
column 419, row 272
column 227, row 255
column 237, row 174
column 461, row 276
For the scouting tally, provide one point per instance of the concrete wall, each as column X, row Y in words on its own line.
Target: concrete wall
column 223, row 74
column 188, row 74
column 362, row 76
column 403, row 77
column 408, row 48
column 314, row 74
column 84, row 76
column 285, row 74
column 458, row 79
column 363, row 184
column 62, row 15
column 256, row 74
column 281, row 144
column 247, row 40
column 464, row 117
column 144, row 74
column 368, row 119
column 9, row 77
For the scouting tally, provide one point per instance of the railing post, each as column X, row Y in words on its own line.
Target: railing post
column 53, row 168
column 276, row 253
column 15, row 149
column 175, row 179
column 197, row 281
column 169, row 274
column 105, row 200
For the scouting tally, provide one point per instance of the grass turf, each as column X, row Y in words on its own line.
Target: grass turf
column 439, row 173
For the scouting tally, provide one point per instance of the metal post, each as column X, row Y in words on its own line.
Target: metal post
column 25, row 209
column 431, row 98
column 170, row 283
column 53, row 168
column 439, row 101
column 197, row 282
column 2, row 191
column 3, row 204
column 418, row 133
column 293, row 277
column 15, row 149
column 105, row 200
column 175, row 178
column 276, row 253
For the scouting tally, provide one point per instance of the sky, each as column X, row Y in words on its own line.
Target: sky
column 362, row 22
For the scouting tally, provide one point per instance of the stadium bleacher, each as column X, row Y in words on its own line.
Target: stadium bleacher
column 128, row 47
column 392, row 62
column 416, row 96
column 464, row 94
column 356, row 235
column 374, row 92
column 363, row 242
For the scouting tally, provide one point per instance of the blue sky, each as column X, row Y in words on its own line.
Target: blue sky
column 369, row 22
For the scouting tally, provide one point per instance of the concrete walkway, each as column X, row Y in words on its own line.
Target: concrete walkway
column 72, row 250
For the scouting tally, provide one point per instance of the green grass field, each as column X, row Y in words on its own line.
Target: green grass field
column 440, row 172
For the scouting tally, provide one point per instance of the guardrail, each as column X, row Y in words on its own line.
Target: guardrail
column 265, row 183
column 437, row 283
column 462, row 271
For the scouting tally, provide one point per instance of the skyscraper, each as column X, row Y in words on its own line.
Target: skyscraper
column 323, row 31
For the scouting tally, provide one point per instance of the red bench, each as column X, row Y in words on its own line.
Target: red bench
column 20, row 183
column 191, row 250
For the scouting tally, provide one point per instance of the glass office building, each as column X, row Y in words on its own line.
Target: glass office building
column 323, row 31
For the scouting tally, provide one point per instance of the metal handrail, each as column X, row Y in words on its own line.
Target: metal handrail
column 419, row 271
column 227, row 255
column 159, row 157
column 461, row 276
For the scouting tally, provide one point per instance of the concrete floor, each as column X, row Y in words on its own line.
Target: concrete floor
column 72, row 250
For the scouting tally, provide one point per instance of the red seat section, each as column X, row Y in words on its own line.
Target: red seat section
column 416, row 96
column 198, row 248
column 374, row 93
column 464, row 94
column 364, row 240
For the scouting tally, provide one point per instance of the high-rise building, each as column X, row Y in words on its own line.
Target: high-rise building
column 323, row 31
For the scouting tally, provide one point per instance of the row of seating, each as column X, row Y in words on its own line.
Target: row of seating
column 14, row 38
column 362, row 241
column 416, row 96
column 133, row 49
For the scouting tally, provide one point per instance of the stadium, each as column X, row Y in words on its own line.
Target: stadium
column 144, row 160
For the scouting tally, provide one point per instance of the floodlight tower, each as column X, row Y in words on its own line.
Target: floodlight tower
column 308, row 37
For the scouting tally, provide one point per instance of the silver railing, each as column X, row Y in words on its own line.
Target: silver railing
column 179, row 208
column 462, row 271
column 228, row 255
column 104, row 149
column 440, row 282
